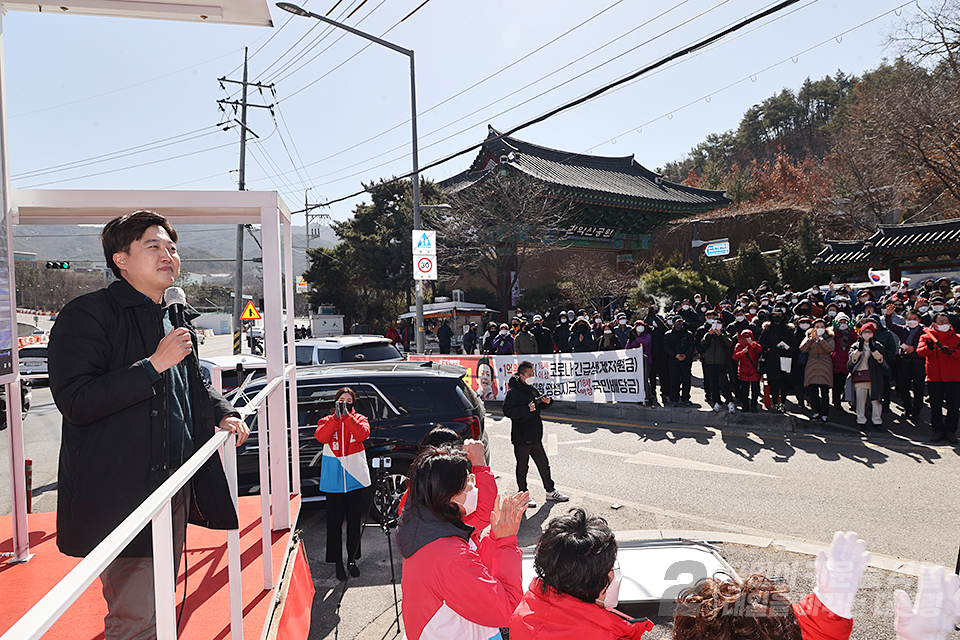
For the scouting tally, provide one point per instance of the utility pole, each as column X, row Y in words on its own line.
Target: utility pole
column 307, row 208
column 238, row 270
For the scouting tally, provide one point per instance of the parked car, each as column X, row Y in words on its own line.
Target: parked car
column 26, row 397
column 222, row 370
column 363, row 348
column 402, row 400
column 33, row 361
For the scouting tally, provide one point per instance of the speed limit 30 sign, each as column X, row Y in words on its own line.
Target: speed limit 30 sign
column 424, row 267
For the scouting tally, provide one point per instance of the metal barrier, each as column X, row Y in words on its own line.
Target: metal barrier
column 157, row 509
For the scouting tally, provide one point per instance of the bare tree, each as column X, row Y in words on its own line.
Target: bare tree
column 494, row 230
column 931, row 36
column 589, row 278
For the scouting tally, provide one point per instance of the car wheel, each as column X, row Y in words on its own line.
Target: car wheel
column 388, row 489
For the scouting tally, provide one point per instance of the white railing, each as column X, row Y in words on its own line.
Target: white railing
column 157, row 509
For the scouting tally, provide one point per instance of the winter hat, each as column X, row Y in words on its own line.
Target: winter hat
column 868, row 326
column 746, row 333
column 842, row 317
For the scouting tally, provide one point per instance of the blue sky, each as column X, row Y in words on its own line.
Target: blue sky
column 79, row 88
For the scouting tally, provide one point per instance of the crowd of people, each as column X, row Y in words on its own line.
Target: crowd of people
column 833, row 348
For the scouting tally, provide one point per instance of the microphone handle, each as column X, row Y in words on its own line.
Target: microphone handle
column 176, row 315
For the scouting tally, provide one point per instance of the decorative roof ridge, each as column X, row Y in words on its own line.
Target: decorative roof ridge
column 516, row 144
column 908, row 227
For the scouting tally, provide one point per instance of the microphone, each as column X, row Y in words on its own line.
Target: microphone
column 174, row 300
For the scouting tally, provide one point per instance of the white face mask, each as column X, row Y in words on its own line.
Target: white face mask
column 469, row 503
column 804, row 326
column 686, row 307
column 696, row 299
column 843, row 326
column 821, row 331
column 640, row 328
column 866, row 336
column 623, row 321
column 938, row 307
column 607, row 332
column 741, row 318
column 923, row 309
column 913, row 324
column 563, row 319
column 504, row 332
column 943, row 327
column 831, row 313
column 795, row 300
column 612, row 597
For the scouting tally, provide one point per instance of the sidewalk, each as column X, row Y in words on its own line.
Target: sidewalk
column 796, row 420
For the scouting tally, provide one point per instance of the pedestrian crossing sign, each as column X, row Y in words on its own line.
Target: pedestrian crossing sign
column 250, row 312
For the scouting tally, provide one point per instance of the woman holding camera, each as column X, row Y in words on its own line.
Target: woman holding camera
column 452, row 586
column 866, row 364
column 344, row 476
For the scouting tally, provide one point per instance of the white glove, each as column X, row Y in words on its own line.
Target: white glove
column 839, row 571
column 937, row 609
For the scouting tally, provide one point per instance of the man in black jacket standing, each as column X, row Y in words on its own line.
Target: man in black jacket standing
column 134, row 409
column 679, row 345
column 522, row 405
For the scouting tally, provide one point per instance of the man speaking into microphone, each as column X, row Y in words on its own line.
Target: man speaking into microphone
column 124, row 374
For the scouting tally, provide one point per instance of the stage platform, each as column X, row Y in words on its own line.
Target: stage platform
column 206, row 615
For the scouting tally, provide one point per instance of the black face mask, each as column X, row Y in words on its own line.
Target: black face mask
column 777, row 319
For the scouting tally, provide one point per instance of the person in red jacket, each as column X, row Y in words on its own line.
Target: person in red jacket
column 746, row 353
column 575, row 591
column 939, row 345
column 452, row 587
column 758, row 609
column 344, row 476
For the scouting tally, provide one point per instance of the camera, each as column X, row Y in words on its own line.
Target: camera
column 381, row 463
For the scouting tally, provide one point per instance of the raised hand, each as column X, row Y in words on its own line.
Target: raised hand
column 936, row 610
column 508, row 514
column 839, row 571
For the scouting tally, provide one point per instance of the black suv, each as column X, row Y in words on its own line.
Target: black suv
column 402, row 401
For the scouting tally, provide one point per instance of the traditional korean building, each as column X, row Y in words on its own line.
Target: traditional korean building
column 615, row 201
column 904, row 249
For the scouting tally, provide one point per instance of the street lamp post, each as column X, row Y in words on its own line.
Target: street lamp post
column 300, row 11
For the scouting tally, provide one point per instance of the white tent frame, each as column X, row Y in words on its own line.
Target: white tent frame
column 266, row 208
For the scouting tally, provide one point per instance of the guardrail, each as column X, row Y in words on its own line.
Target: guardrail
column 156, row 509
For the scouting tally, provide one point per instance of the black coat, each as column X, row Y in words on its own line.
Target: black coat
column 677, row 342
column 561, row 337
column 114, row 444
column 527, row 427
column 469, row 341
column 544, row 338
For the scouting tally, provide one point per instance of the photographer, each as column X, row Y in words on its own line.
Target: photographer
column 939, row 345
column 715, row 359
column 522, row 405
column 343, row 477
column 577, row 584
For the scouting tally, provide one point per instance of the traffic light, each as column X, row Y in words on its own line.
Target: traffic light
column 57, row 264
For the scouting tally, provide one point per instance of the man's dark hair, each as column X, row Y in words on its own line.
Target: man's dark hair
column 120, row 233
column 437, row 475
column 441, row 436
column 757, row 609
column 524, row 366
column 575, row 554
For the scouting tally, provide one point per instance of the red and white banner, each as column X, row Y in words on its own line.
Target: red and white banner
column 597, row 376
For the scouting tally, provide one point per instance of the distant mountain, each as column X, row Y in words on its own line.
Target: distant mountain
column 205, row 249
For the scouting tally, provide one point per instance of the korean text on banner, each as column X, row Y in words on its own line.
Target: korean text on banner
column 598, row 376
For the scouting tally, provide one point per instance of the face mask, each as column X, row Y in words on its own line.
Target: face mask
column 696, row 299
column 686, row 307
column 745, row 302
column 867, row 336
column 843, row 326
column 821, row 331
column 913, row 324
column 612, row 598
column 753, row 310
column 778, row 319
column 923, row 309
column 741, row 318
column 469, row 503
column 796, row 300
column 640, row 328
column 623, row 321
column 607, row 332
column 831, row 313
column 804, row 326
column 562, row 320
column 504, row 332
column 943, row 327
column 938, row 307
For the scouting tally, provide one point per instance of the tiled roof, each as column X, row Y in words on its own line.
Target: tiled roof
column 891, row 239
column 615, row 182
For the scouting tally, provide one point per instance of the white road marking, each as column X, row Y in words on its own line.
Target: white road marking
column 575, row 441
column 551, row 444
column 658, row 460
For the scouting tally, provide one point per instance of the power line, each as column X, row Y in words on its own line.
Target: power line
column 593, row 94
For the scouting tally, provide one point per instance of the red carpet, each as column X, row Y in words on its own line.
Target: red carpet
column 207, row 612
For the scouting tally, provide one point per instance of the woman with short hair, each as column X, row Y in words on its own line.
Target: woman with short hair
column 575, row 591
